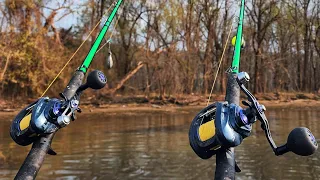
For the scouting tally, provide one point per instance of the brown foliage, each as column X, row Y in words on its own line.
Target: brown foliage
column 179, row 43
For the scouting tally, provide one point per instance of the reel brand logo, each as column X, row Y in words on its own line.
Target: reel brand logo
column 102, row 77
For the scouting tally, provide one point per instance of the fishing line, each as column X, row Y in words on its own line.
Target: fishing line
column 221, row 59
column 108, row 41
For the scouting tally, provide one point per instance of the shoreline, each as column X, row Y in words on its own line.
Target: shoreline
column 148, row 107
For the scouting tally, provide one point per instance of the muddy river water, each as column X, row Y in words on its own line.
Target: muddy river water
column 155, row 145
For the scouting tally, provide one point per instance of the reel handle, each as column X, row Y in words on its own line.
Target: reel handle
column 281, row 150
column 95, row 80
column 300, row 141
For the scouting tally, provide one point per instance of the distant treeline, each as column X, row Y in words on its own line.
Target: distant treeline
column 178, row 42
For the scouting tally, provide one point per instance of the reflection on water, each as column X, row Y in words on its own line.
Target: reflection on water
column 156, row 146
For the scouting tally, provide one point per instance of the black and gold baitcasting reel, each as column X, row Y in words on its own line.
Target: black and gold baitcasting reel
column 224, row 125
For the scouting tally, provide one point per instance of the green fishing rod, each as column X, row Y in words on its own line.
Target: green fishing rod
column 87, row 61
column 37, row 123
column 78, row 77
column 238, row 41
column 226, row 166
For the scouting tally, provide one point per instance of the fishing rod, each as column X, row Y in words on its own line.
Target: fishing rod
column 221, row 126
column 38, row 122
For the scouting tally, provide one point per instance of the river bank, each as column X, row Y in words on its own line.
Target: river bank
column 139, row 103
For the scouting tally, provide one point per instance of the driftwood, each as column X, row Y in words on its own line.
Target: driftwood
column 126, row 78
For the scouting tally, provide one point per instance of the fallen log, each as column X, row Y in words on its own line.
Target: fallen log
column 125, row 79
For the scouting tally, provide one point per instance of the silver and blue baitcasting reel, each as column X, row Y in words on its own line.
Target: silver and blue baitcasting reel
column 222, row 125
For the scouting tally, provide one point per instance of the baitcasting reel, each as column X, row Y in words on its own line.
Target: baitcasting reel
column 223, row 125
column 46, row 115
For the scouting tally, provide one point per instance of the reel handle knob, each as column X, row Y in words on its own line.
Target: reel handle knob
column 300, row 141
column 95, row 80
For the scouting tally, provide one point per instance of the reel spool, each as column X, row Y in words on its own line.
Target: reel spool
column 19, row 130
column 202, row 133
column 39, row 118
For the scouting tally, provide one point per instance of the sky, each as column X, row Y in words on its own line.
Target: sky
column 68, row 20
